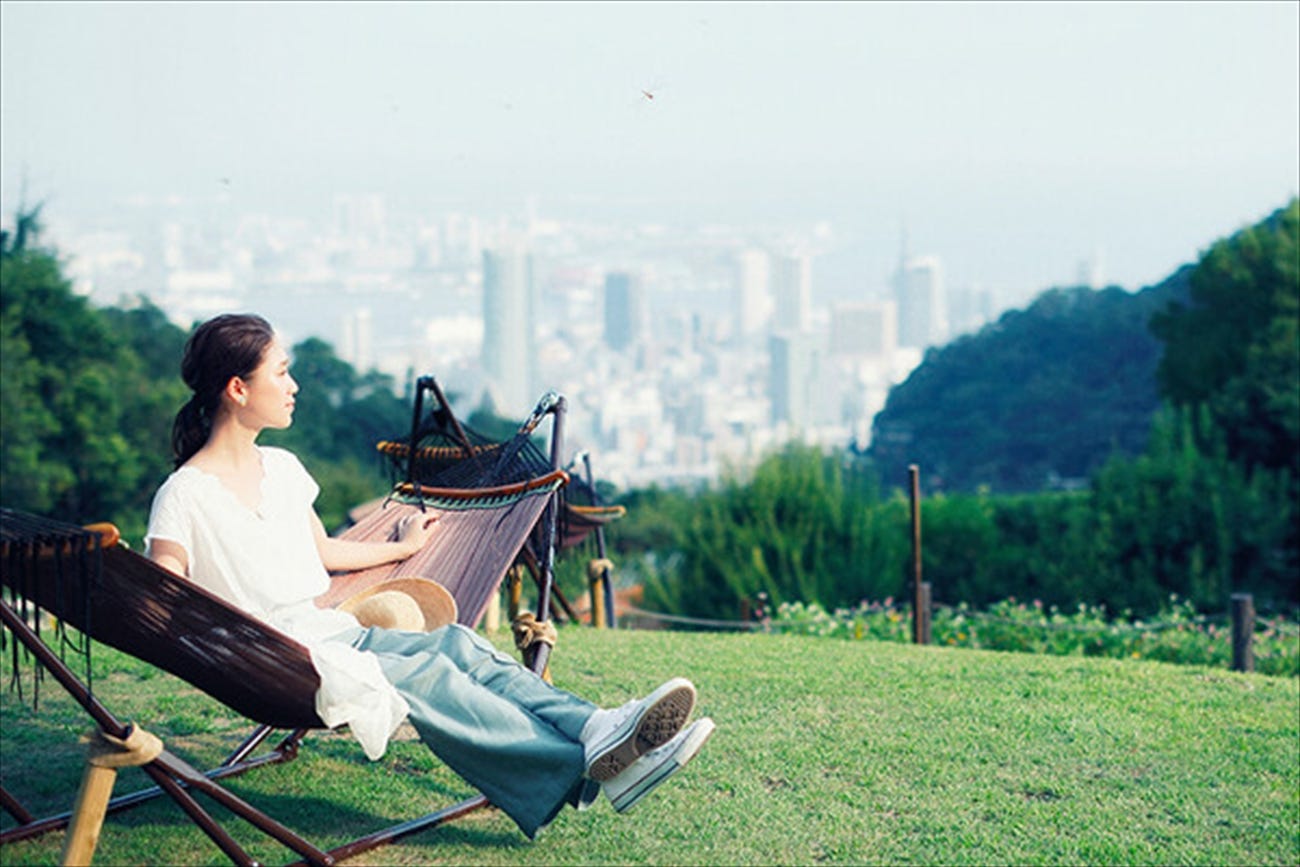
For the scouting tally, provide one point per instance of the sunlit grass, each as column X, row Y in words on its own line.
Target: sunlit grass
column 826, row 752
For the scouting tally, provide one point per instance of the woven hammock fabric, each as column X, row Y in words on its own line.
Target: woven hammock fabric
column 142, row 609
column 474, row 544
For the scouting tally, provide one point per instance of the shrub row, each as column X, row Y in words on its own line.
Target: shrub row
column 1176, row 634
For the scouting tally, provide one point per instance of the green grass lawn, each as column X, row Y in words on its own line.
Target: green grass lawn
column 826, row 752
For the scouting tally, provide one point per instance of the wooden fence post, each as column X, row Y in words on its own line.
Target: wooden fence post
column 926, row 608
column 920, row 590
column 1243, row 632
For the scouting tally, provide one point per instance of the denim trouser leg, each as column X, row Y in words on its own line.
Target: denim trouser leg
column 507, row 732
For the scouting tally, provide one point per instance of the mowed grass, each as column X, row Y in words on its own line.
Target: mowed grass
column 827, row 752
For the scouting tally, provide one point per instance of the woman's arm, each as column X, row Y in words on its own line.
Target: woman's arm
column 170, row 555
column 340, row 555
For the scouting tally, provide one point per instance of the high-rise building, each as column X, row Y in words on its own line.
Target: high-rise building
column 359, row 218
column 623, row 316
column 969, row 309
column 1091, row 272
column 867, row 329
column 792, row 291
column 753, row 303
column 922, row 305
column 358, row 339
column 509, row 327
column 791, row 365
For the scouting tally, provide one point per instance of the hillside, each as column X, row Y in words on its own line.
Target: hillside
column 1035, row 400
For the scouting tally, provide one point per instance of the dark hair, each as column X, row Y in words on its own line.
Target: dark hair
column 220, row 349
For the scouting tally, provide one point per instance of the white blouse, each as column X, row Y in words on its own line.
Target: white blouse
column 264, row 561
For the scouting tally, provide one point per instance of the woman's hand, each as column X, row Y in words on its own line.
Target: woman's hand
column 414, row 531
column 411, row 533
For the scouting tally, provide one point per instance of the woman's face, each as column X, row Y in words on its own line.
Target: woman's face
column 269, row 390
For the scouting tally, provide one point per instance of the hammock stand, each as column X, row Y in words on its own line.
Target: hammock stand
column 441, row 450
column 124, row 600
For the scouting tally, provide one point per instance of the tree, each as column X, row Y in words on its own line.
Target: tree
column 1051, row 391
column 63, row 447
column 1235, row 345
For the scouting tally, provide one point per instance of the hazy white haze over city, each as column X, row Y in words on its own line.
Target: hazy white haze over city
column 711, row 225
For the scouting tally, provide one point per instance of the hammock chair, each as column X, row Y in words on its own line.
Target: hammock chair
column 122, row 599
column 442, row 451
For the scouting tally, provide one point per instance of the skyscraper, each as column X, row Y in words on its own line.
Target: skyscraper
column 792, row 291
column 867, row 329
column 509, row 326
column 753, row 303
column 623, row 317
column 358, row 339
column 791, row 367
column 359, row 219
column 922, row 305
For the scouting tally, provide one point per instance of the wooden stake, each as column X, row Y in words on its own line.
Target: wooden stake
column 1243, row 632
column 920, row 606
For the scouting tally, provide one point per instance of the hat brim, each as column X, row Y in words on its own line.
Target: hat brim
column 436, row 604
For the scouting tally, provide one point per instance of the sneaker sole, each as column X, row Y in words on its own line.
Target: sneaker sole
column 631, row 796
column 662, row 719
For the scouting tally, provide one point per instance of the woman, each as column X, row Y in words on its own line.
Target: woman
column 237, row 519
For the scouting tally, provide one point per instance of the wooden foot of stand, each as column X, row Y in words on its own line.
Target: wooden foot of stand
column 105, row 754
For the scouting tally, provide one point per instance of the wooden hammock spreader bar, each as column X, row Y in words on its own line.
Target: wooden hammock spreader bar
column 444, row 453
column 601, row 514
column 551, row 479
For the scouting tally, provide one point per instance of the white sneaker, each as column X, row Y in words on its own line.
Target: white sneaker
column 613, row 739
column 641, row 777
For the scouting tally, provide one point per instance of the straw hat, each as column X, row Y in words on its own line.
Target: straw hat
column 408, row 604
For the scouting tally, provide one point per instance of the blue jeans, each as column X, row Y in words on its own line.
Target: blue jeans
column 507, row 732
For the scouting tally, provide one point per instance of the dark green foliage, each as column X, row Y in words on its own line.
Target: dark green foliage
column 1234, row 346
column 1180, row 520
column 79, row 404
column 805, row 526
column 1185, row 518
column 1045, row 395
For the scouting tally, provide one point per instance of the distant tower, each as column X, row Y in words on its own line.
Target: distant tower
column 790, row 384
column 622, row 310
column 509, row 349
column 1091, row 271
column 792, row 292
column 922, row 304
column 358, row 339
column 752, row 299
column 360, row 218
column 864, row 329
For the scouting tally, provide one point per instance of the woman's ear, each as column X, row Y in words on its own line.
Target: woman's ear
column 237, row 390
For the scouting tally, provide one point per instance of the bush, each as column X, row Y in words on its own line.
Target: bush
column 1176, row 634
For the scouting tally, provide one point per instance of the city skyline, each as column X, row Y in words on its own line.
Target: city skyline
column 1018, row 142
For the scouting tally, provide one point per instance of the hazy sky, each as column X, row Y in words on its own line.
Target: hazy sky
column 1013, row 138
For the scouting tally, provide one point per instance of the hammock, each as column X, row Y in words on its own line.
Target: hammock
column 126, row 601
column 441, row 451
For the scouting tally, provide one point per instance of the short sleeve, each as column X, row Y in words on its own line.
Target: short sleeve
column 288, row 471
column 169, row 519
